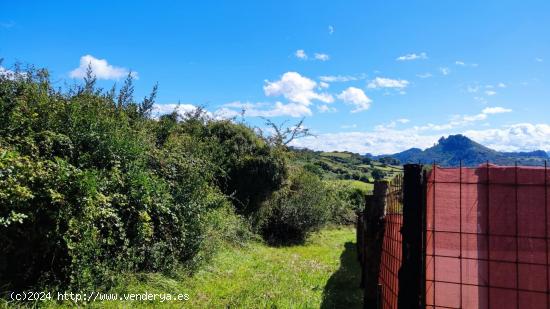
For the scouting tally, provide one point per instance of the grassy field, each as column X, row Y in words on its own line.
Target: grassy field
column 323, row 273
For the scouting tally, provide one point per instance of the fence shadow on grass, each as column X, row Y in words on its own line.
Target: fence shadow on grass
column 342, row 289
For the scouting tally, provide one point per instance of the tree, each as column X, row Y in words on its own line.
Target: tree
column 89, row 80
column 283, row 135
column 148, row 102
column 126, row 93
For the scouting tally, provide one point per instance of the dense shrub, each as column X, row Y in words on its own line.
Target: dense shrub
column 90, row 186
column 345, row 200
column 294, row 211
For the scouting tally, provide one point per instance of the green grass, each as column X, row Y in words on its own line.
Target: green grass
column 363, row 186
column 322, row 273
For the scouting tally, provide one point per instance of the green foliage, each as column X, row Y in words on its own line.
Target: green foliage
column 296, row 210
column 91, row 187
column 345, row 199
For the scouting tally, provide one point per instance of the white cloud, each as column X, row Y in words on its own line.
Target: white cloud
column 501, row 85
column 412, row 56
column 391, row 141
column 391, row 125
column 101, row 69
column 300, row 54
column 381, row 82
column 322, row 57
column 445, row 71
column 458, row 121
column 342, row 78
column 233, row 109
column 356, row 97
column 11, row 75
column 495, row 110
column 296, row 88
column 324, row 108
column 330, row 29
column 323, row 85
column 516, row 137
column 348, row 126
column 424, row 75
column 490, row 92
column 181, row 109
column 539, row 60
column 464, row 64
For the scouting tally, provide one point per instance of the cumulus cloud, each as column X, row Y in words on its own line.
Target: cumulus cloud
column 330, row 29
column 412, row 56
column 322, row 57
column 490, row 92
column 296, row 88
column 381, row 82
column 356, row 97
column 445, row 71
column 516, row 137
column 300, row 54
column 101, row 69
column 323, row 85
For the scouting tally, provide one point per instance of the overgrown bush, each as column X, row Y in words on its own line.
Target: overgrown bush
column 296, row 210
column 345, row 200
column 90, row 186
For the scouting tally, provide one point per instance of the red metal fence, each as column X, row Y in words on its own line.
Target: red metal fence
column 487, row 238
column 390, row 261
column 460, row 238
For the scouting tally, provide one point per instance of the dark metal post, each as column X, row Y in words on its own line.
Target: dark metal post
column 373, row 238
column 410, row 274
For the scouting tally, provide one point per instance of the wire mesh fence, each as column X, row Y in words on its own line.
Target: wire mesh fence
column 487, row 237
column 391, row 256
column 482, row 235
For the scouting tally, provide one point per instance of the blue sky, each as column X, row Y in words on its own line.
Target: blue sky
column 368, row 76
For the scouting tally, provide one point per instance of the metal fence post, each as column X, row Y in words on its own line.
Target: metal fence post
column 373, row 238
column 411, row 275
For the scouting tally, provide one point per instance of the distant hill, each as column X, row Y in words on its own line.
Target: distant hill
column 451, row 150
column 344, row 165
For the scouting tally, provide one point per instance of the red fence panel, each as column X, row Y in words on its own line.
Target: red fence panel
column 391, row 256
column 487, row 238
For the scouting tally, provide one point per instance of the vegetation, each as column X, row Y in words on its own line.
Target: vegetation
column 94, row 190
column 91, row 186
column 322, row 273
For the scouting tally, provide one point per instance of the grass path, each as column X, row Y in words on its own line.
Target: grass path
column 323, row 273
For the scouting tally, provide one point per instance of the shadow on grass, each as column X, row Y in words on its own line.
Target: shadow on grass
column 342, row 289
